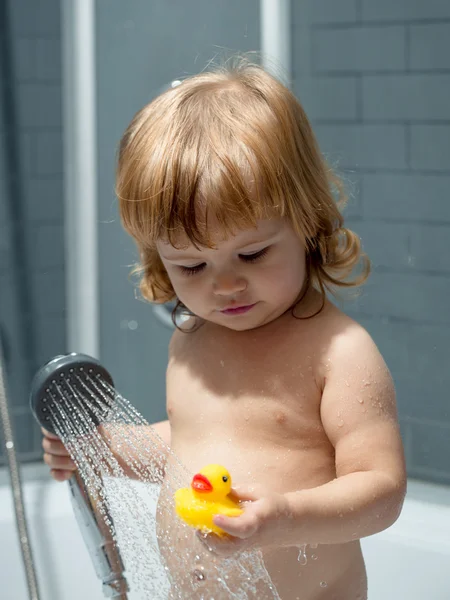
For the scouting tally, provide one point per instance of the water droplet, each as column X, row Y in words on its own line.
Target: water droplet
column 323, row 584
column 302, row 558
column 314, row 556
column 198, row 575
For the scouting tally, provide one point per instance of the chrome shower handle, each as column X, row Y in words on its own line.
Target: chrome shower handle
column 107, row 561
column 67, row 377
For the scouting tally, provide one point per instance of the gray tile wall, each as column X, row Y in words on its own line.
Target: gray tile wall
column 375, row 80
column 374, row 77
column 35, row 32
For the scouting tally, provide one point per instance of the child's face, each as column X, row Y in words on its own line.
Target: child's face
column 245, row 281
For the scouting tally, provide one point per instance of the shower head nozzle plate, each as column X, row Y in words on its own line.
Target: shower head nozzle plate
column 69, row 378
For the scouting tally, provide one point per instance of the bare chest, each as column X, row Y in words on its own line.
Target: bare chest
column 248, row 394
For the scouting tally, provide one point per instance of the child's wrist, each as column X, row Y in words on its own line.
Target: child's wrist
column 299, row 518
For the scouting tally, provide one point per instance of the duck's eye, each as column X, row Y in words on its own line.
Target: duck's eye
column 225, row 478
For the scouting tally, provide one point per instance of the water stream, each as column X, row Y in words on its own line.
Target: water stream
column 127, row 469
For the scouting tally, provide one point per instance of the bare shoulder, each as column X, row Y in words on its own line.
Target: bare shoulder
column 338, row 333
column 353, row 369
column 338, row 342
column 348, row 338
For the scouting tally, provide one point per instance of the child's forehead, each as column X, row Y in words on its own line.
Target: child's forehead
column 263, row 229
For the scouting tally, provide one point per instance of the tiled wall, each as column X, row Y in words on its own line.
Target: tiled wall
column 34, row 31
column 375, row 79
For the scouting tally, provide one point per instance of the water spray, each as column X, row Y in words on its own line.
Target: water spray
column 79, row 384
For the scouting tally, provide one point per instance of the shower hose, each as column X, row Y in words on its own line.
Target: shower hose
column 16, row 487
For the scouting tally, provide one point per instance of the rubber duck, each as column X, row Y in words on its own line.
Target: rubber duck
column 207, row 496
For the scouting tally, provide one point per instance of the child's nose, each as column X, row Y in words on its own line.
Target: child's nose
column 227, row 283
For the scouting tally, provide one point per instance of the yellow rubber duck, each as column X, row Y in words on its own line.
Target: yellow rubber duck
column 207, row 496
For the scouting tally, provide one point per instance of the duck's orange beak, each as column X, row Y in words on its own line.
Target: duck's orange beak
column 200, row 483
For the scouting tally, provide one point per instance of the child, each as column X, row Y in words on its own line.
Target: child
column 222, row 186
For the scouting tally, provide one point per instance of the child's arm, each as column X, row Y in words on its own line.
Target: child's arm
column 359, row 415
column 62, row 466
column 162, row 428
column 143, row 438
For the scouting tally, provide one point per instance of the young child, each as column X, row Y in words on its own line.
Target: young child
column 231, row 204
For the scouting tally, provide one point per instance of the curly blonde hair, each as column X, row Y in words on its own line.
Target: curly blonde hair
column 189, row 153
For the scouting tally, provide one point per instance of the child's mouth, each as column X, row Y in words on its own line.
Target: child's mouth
column 238, row 310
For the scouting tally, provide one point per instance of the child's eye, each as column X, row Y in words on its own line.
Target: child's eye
column 192, row 270
column 255, row 256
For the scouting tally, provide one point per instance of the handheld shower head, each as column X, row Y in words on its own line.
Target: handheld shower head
column 75, row 379
column 79, row 384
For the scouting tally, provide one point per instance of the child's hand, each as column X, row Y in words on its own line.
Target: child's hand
column 57, row 457
column 263, row 523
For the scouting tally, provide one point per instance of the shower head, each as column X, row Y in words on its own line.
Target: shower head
column 80, row 384
column 74, row 379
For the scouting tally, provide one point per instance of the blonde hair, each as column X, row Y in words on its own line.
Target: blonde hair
column 191, row 153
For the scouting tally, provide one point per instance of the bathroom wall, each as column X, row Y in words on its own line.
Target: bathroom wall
column 31, row 201
column 141, row 47
column 375, row 80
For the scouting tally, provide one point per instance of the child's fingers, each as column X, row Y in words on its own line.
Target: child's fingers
column 60, row 474
column 54, row 446
column 49, row 435
column 64, row 463
column 57, row 457
column 222, row 546
column 241, row 527
column 245, row 493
